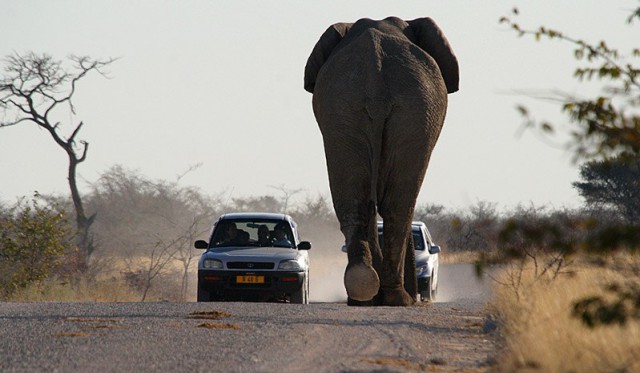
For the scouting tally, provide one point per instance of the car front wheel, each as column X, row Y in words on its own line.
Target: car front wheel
column 430, row 294
column 203, row 296
column 434, row 290
column 301, row 296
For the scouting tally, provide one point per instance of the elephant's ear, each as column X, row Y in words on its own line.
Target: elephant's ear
column 321, row 52
column 430, row 38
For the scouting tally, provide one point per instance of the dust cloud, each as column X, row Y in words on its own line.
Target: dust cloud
column 327, row 265
column 459, row 282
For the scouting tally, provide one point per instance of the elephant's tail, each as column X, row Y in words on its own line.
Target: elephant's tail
column 379, row 111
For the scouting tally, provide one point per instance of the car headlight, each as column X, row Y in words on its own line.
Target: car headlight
column 422, row 270
column 212, row 264
column 290, row 265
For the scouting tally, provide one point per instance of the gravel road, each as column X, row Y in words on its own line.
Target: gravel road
column 449, row 335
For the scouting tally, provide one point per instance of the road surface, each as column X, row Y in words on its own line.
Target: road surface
column 448, row 335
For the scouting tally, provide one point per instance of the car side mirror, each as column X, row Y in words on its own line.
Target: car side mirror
column 435, row 249
column 344, row 248
column 304, row 245
column 201, row 244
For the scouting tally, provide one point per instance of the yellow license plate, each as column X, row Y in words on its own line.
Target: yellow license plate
column 250, row 279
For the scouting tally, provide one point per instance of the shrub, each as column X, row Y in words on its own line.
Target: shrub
column 33, row 239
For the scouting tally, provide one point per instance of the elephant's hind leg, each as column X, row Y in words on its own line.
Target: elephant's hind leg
column 407, row 149
column 349, row 164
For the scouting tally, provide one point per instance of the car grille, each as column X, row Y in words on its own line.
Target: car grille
column 250, row 265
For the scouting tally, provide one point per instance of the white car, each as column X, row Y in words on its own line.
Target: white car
column 254, row 256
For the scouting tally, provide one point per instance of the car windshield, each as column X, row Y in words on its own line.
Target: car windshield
column 252, row 232
column 418, row 243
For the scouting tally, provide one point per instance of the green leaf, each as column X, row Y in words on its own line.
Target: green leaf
column 546, row 127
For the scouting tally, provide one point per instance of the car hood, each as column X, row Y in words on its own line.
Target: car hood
column 251, row 253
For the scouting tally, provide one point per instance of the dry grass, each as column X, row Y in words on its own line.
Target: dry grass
column 542, row 336
column 52, row 290
column 454, row 257
column 106, row 282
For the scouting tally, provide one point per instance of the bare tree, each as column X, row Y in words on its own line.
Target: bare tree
column 32, row 90
column 287, row 194
column 184, row 252
column 150, row 225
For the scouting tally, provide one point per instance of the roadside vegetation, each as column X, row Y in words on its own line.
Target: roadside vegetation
column 144, row 231
column 543, row 322
column 568, row 294
column 143, row 236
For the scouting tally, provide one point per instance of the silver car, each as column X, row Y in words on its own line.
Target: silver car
column 254, row 256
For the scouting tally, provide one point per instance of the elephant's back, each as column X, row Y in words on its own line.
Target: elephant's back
column 379, row 66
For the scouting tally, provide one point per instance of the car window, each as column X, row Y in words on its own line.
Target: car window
column 429, row 239
column 254, row 232
column 418, row 242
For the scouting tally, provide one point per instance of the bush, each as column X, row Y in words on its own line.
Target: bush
column 33, row 240
column 474, row 230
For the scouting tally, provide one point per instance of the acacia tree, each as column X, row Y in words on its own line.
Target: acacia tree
column 612, row 183
column 33, row 89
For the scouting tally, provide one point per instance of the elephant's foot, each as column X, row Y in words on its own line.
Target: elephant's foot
column 376, row 301
column 361, row 282
column 396, row 297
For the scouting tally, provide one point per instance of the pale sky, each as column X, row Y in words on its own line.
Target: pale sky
column 220, row 83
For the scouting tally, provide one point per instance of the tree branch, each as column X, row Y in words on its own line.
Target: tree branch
column 84, row 151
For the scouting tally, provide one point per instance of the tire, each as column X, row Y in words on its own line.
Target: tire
column 203, row 296
column 301, row 296
column 430, row 294
column 306, row 297
column 434, row 292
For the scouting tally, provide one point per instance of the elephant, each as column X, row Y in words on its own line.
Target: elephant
column 380, row 98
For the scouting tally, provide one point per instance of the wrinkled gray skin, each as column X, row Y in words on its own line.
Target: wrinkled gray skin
column 380, row 98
